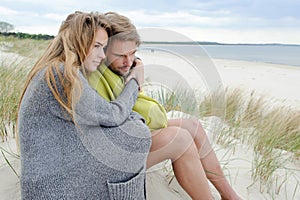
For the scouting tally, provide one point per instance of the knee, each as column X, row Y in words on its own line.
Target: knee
column 181, row 142
column 195, row 128
column 183, row 137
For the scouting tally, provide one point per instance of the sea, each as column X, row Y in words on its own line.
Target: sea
column 268, row 53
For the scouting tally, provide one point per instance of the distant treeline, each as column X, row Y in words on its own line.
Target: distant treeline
column 27, row 35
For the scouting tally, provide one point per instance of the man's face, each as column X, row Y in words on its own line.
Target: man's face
column 120, row 56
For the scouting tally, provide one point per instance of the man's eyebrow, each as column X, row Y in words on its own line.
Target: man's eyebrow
column 122, row 54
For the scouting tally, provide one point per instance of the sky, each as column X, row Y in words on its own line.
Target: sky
column 224, row 21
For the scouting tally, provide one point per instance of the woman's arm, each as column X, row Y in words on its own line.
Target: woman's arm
column 92, row 109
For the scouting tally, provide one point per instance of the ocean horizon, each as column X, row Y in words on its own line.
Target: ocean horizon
column 267, row 53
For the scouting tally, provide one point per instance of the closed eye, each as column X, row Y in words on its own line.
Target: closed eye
column 104, row 49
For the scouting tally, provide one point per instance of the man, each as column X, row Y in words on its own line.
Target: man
column 184, row 141
column 120, row 59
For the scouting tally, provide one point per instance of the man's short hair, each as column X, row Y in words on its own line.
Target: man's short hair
column 122, row 28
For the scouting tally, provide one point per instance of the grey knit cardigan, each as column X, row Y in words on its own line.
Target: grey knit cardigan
column 102, row 157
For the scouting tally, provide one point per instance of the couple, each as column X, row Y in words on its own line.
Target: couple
column 77, row 144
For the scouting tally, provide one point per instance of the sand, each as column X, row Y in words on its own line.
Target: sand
column 275, row 81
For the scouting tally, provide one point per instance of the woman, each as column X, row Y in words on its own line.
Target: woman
column 74, row 144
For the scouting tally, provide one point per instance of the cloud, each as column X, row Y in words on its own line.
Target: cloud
column 7, row 11
column 54, row 16
column 218, row 19
column 179, row 18
column 253, row 36
column 39, row 29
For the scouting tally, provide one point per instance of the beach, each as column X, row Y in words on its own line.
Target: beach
column 274, row 81
column 277, row 83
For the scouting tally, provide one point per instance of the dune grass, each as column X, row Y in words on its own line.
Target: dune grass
column 21, row 55
column 29, row 48
column 11, row 81
column 269, row 127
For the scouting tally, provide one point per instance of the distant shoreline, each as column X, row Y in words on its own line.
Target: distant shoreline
column 217, row 43
column 267, row 53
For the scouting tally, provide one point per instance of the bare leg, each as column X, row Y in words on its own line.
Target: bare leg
column 207, row 156
column 177, row 144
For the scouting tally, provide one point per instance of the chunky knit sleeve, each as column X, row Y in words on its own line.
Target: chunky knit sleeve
column 92, row 109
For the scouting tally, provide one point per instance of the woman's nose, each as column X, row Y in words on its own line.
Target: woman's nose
column 101, row 54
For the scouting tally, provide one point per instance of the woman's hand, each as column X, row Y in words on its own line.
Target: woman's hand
column 137, row 73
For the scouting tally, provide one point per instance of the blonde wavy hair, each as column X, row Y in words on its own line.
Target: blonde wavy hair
column 70, row 48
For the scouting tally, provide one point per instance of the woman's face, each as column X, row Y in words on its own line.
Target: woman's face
column 96, row 52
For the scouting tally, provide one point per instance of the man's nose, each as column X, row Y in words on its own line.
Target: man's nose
column 127, row 61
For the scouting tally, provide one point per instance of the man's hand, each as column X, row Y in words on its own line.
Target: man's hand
column 137, row 73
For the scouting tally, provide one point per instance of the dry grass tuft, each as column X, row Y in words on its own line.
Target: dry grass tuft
column 271, row 128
